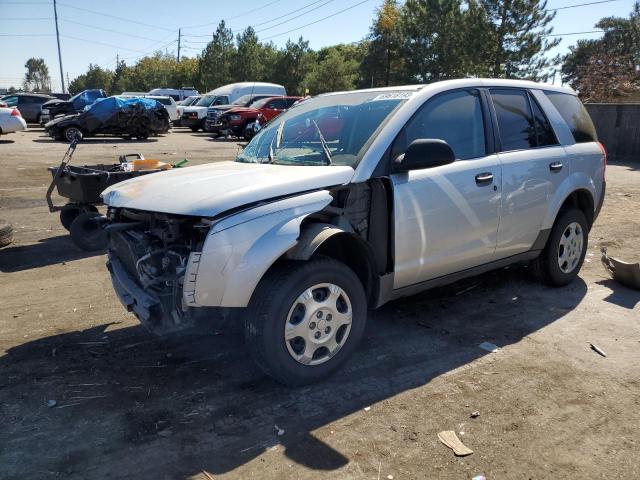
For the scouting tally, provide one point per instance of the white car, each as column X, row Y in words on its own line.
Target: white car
column 11, row 121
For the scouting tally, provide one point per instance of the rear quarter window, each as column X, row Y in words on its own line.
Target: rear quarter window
column 576, row 116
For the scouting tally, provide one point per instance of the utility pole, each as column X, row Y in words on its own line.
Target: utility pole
column 117, row 59
column 55, row 14
column 179, row 35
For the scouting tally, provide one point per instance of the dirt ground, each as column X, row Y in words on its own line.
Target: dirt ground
column 128, row 405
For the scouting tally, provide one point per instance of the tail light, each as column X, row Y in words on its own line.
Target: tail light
column 15, row 112
column 604, row 154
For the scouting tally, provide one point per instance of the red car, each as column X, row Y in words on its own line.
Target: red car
column 235, row 121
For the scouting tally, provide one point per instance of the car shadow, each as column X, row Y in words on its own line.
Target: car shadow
column 620, row 295
column 2, row 141
column 189, row 404
column 47, row 251
column 94, row 140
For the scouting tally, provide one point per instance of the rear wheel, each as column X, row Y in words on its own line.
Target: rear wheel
column 305, row 320
column 87, row 232
column 195, row 129
column 563, row 255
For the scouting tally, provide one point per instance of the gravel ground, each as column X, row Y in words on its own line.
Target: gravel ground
column 129, row 405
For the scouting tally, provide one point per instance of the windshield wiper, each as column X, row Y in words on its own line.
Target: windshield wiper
column 323, row 142
column 278, row 138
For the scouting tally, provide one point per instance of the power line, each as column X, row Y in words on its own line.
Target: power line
column 100, row 43
column 117, row 18
column 317, row 21
column 581, row 5
column 108, row 30
column 235, row 16
column 293, row 18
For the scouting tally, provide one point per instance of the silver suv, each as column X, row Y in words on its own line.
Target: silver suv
column 349, row 200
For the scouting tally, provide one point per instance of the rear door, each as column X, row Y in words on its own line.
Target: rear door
column 446, row 217
column 533, row 166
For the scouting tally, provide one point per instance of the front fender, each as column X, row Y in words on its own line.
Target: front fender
column 240, row 249
column 575, row 181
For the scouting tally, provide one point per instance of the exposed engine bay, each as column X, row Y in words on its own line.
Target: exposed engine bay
column 154, row 250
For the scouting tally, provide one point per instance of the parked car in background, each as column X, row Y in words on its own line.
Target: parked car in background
column 29, row 104
column 126, row 117
column 177, row 94
column 54, row 108
column 61, row 96
column 235, row 121
column 196, row 115
column 11, row 120
column 185, row 103
column 168, row 102
column 350, row 200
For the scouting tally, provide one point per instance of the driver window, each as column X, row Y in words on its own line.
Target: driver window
column 454, row 117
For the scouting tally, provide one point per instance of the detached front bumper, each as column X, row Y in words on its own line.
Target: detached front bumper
column 132, row 297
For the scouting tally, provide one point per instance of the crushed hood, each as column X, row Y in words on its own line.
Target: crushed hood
column 211, row 189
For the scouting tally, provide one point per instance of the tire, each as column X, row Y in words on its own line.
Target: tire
column 194, row 129
column 563, row 255
column 68, row 214
column 70, row 132
column 87, row 233
column 277, row 304
column 6, row 233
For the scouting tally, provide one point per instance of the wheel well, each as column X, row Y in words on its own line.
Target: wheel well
column 354, row 253
column 582, row 200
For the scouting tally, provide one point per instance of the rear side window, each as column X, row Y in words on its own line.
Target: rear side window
column 515, row 119
column 454, row 117
column 544, row 132
column 576, row 116
column 290, row 101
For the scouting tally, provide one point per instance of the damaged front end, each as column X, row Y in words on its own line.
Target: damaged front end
column 148, row 257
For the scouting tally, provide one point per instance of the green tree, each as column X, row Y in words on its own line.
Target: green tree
column 293, row 65
column 383, row 63
column 217, row 60
column 334, row 72
column 37, row 77
column 96, row 77
column 519, row 39
column 120, row 78
column 248, row 64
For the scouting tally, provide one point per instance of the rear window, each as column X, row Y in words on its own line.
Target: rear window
column 164, row 101
column 515, row 119
column 576, row 116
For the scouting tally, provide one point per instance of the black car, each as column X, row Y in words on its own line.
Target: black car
column 126, row 117
column 56, row 107
column 28, row 104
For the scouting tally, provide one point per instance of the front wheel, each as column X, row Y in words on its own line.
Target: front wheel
column 563, row 255
column 71, row 133
column 305, row 319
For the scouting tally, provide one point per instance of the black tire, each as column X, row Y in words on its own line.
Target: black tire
column 70, row 132
column 194, row 129
column 276, row 295
column 6, row 233
column 546, row 267
column 68, row 214
column 87, row 232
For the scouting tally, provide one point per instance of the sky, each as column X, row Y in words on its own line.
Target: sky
column 96, row 32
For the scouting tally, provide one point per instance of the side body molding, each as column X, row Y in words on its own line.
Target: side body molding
column 240, row 249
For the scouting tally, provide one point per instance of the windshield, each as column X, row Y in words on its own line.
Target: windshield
column 206, row 101
column 243, row 100
column 188, row 101
column 327, row 130
column 260, row 103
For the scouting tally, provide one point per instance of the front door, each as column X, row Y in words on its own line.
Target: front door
column 446, row 217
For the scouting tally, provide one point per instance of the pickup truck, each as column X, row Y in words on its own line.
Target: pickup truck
column 236, row 120
column 349, row 200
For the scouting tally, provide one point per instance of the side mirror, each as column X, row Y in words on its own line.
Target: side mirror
column 424, row 153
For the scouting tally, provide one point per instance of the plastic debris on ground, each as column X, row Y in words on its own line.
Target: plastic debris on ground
column 598, row 350
column 628, row 274
column 489, row 347
column 451, row 440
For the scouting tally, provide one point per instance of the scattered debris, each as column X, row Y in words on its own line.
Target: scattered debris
column 279, row 431
column 479, row 477
column 626, row 273
column 207, row 474
column 465, row 290
column 366, row 409
column 489, row 347
column 475, row 414
column 597, row 349
column 51, row 403
column 390, row 477
column 451, row 440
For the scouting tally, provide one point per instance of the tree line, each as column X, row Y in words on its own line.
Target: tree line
column 420, row 41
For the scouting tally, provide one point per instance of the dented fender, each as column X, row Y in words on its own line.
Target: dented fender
column 239, row 249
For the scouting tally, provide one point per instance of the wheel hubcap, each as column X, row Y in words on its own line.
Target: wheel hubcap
column 71, row 133
column 318, row 324
column 570, row 247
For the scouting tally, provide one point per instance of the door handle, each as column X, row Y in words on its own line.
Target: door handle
column 484, row 178
column 555, row 166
